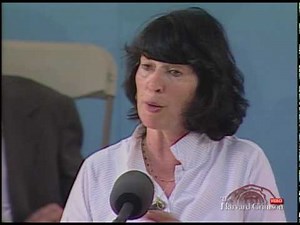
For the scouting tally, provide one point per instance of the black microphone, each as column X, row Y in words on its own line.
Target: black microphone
column 131, row 195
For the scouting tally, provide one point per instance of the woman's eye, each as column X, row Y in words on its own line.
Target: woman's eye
column 146, row 67
column 175, row 73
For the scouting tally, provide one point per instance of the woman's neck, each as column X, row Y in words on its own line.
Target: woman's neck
column 160, row 141
column 159, row 160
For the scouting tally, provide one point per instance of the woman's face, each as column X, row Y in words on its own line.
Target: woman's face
column 163, row 92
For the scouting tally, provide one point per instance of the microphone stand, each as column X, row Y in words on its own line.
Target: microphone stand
column 124, row 213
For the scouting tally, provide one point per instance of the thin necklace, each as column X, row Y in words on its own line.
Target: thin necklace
column 158, row 203
column 149, row 166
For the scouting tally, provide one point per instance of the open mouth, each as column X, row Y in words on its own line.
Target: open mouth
column 153, row 107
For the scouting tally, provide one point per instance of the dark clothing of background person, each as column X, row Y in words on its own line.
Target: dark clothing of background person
column 42, row 137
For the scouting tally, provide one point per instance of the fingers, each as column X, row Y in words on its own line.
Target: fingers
column 160, row 216
column 49, row 213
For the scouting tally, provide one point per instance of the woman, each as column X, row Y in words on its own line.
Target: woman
column 187, row 93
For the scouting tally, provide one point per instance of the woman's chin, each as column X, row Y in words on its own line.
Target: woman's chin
column 152, row 124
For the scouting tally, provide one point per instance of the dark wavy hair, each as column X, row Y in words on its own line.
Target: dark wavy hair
column 193, row 37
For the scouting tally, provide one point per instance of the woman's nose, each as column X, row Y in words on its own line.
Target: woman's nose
column 155, row 82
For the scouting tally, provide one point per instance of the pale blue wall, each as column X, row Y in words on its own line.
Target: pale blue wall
column 263, row 39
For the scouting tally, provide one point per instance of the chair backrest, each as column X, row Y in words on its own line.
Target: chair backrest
column 77, row 70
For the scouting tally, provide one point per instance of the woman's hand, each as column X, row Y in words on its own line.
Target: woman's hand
column 160, row 216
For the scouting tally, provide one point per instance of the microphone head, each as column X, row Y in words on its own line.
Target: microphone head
column 134, row 187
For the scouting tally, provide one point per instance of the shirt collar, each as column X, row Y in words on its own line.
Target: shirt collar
column 192, row 150
column 135, row 157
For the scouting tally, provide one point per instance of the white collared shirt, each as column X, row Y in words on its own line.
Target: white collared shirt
column 208, row 174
